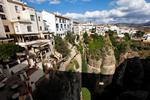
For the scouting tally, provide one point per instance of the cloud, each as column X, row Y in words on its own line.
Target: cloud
column 42, row 1
column 36, row 1
column 127, row 11
column 55, row 2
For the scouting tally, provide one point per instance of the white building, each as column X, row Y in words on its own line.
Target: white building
column 6, row 27
column 86, row 27
column 147, row 37
column 49, row 21
column 27, row 23
column 63, row 25
column 2, row 31
column 101, row 29
column 57, row 24
column 76, row 27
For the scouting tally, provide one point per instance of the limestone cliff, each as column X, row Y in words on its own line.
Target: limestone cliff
column 105, row 63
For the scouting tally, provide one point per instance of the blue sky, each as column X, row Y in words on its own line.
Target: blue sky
column 71, row 6
column 99, row 11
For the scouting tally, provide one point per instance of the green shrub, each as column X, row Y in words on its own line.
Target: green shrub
column 61, row 46
column 70, row 37
column 9, row 50
column 86, row 95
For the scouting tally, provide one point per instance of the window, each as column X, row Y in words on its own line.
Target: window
column 39, row 18
column 1, row 8
column 16, row 8
column 18, row 17
column 64, row 25
column 6, row 28
column 59, row 20
column 17, row 28
column 61, row 26
column 46, row 28
column 29, row 28
column 64, row 20
column 23, row 8
column 40, row 27
column 57, row 26
column 2, row 16
column 32, row 17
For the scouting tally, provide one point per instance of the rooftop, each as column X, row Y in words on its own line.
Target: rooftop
column 10, row 87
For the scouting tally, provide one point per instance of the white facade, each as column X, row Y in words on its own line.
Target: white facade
column 57, row 24
column 2, row 31
column 147, row 37
column 86, row 27
column 63, row 25
column 76, row 28
column 21, row 16
column 49, row 21
column 5, row 25
column 40, row 22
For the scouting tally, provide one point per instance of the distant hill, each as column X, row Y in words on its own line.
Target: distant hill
column 143, row 26
column 134, row 24
column 146, row 24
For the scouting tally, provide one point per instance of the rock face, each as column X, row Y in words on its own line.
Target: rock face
column 106, row 64
column 94, row 66
column 109, row 63
column 131, row 81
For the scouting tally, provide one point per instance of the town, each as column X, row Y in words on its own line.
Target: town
column 33, row 44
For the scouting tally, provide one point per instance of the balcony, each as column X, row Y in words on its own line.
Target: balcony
column 33, row 42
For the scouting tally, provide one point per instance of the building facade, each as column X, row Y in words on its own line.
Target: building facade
column 23, row 19
column 6, row 26
column 57, row 24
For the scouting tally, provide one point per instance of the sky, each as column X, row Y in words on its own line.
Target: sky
column 98, row 11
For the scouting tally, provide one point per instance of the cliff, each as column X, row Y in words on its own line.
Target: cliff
column 103, row 61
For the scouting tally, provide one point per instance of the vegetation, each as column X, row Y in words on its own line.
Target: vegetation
column 95, row 46
column 9, row 50
column 72, row 66
column 70, row 37
column 83, row 56
column 61, row 46
column 139, row 34
column 85, row 38
column 84, row 63
column 86, row 95
column 93, row 30
column 77, row 37
column 119, row 47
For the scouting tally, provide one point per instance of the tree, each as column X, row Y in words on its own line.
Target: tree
column 70, row 37
column 61, row 46
column 119, row 47
column 9, row 50
column 86, row 38
column 127, row 37
column 139, row 34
